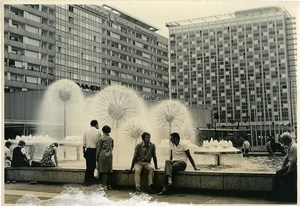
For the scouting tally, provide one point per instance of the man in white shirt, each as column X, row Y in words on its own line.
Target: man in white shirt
column 285, row 182
column 179, row 156
column 90, row 139
column 246, row 147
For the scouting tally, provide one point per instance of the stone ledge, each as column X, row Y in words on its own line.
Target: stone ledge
column 224, row 181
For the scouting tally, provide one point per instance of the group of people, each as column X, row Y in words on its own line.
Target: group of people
column 97, row 150
column 18, row 158
column 98, row 153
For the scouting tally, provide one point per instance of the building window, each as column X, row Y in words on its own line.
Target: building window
column 71, row 9
column 71, row 19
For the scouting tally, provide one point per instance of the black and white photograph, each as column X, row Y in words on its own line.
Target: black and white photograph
column 150, row 102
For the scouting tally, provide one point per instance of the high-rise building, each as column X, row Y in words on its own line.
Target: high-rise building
column 95, row 46
column 241, row 65
column 29, row 46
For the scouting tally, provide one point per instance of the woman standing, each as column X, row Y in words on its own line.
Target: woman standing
column 104, row 156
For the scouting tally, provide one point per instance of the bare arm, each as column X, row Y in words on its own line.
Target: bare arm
column 285, row 161
column 132, row 163
column 134, row 158
column 55, row 157
column 99, row 147
column 84, row 144
column 270, row 149
column 155, row 162
column 188, row 154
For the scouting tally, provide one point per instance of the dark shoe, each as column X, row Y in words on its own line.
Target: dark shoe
column 150, row 189
column 138, row 189
column 109, row 187
column 163, row 192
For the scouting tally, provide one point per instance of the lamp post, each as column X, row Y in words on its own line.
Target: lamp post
column 216, row 117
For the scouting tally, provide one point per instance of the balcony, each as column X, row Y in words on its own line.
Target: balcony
column 21, row 84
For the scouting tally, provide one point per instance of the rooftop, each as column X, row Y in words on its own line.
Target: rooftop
column 129, row 18
column 240, row 13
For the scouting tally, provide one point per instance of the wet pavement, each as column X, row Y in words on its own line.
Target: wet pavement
column 13, row 192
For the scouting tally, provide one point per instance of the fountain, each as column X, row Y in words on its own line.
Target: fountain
column 218, row 153
column 65, row 106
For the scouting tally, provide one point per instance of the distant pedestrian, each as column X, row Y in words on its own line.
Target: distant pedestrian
column 246, row 147
column 285, row 181
column 19, row 158
column 90, row 139
column 179, row 156
column 104, row 157
column 273, row 146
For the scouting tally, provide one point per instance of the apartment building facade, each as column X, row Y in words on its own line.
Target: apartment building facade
column 241, row 65
column 95, row 46
column 29, row 47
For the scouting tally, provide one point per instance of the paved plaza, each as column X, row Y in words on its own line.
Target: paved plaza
column 14, row 192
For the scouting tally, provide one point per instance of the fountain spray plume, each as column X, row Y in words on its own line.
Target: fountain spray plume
column 63, row 104
column 113, row 106
column 173, row 116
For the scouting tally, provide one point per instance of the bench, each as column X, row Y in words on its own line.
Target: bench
column 202, row 180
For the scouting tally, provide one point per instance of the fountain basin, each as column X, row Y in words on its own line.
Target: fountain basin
column 195, row 180
column 206, row 157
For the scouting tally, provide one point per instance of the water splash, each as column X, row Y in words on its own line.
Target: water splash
column 74, row 195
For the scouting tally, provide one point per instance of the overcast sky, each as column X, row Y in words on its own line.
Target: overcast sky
column 158, row 12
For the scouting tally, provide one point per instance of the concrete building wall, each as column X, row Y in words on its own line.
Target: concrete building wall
column 95, row 46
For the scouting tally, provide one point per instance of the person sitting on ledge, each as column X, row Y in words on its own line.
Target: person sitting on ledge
column 179, row 153
column 246, row 146
column 285, row 181
column 273, row 146
column 46, row 161
column 7, row 154
column 143, row 153
column 19, row 158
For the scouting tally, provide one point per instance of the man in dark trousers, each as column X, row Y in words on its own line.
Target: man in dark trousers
column 285, row 181
column 90, row 139
column 179, row 156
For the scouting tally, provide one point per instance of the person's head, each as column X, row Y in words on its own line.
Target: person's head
column 146, row 137
column 21, row 143
column 106, row 129
column 55, row 144
column 286, row 138
column 175, row 138
column 8, row 144
column 94, row 123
